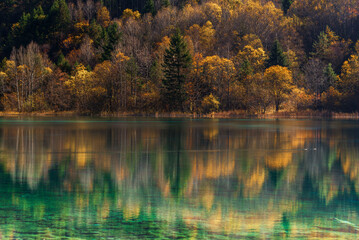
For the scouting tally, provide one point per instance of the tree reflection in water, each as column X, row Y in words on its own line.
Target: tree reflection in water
column 146, row 178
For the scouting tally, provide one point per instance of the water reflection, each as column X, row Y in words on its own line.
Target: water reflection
column 179, row 179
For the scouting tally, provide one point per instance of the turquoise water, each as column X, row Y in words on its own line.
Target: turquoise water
column 144, row 178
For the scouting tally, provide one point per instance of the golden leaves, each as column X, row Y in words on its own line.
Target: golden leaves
column 213, row 11
column 121, row 57
column 103, row 17
column 130, row 14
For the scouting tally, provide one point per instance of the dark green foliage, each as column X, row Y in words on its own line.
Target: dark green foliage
column 58, row 23
column 330, row 76
column 149, row 7
column 3, row 64
column 176, row 162
column 59, row 17
column 277, row 56
column 286, row 5
column 165, row 3
column 155, row 73
column 104, row 39
column 30, row 27
column 320, row 47
column 64, row 64
column 135, row 83
column 245, row 70
column 177, row 60
column 96, row 32
column 112, row 36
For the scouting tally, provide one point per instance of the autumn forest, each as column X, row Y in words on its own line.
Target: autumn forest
column 107, row 56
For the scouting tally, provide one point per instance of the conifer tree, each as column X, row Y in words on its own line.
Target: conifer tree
column 321, row 46
column 330, row 76
column 149, row 7
column 111, row 37
column 286, row 5
column 177, row 60
column 277, row 56
column 59, row 16
column 165, row 3
column 245, row 70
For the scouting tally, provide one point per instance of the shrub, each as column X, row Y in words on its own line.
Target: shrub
column 209, row 104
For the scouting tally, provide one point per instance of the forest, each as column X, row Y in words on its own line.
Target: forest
column 202, row 56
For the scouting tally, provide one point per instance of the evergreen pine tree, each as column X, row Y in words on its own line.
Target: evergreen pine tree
column 165, row 3
column 3, row 64
column 149, row 7
column 321, row 46
column 286, row 5
column 245, row 70
column 63, row 63
column 111, row 37
column 277, row 56
column 177, row 60
column 330, row 76
column 59, row 16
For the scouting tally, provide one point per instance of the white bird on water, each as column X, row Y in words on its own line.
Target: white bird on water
column 314, row 149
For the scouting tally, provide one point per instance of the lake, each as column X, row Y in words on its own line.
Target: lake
column 144, row 178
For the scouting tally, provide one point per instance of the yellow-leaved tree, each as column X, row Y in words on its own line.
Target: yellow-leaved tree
column 86, row 90
column 130, row 14
column 206, row 35
column 255, row 56
column 349, row 81
column 217, row 77
column 213, row 12
column 203, row 38
column 279, row 81
column 103, row 17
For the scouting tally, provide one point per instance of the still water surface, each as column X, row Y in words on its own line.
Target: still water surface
column 178, row 179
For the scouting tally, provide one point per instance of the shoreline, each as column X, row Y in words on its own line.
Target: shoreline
column 217, row 115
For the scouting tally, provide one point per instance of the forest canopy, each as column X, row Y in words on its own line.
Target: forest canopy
column 175, row 55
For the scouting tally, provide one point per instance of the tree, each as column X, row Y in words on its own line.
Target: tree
column 331, row 99
column 330, row 48
column 117, row 87
column 113, row 36
column 256, row 57
column 57, row 94
column 30, row 74
column 217, row 77
column 103, row 17
column 286, row 5
column 132, row 73
column 59, row 16
column 149, row 7
column 165, row 3
column 331, row 77
column 209, row 104
column 63, row 64
column 279, row 82
column 277, row 56
column 86, row 90
column 129, row 14
column 321, row 46
column 245, row 70
column 3, row 77
column 315, row 80
column 206, row 36
column 349, row 83
column 89, row 9
column 177, row 60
